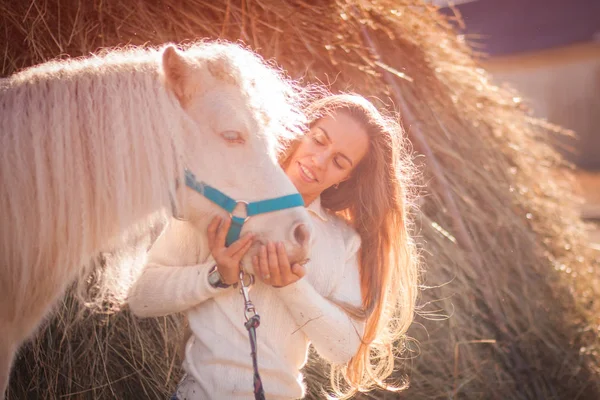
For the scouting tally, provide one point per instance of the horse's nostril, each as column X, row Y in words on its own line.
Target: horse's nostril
column 301, row 234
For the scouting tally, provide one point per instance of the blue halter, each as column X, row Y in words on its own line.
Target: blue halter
column 252, row 208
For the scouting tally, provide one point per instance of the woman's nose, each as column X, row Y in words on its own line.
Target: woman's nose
column 320, row 160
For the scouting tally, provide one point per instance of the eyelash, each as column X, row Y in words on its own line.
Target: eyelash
column 317, row 141
column 337, row 164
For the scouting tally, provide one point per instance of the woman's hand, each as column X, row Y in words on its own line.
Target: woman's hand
column 227, row 258
column 274, row 268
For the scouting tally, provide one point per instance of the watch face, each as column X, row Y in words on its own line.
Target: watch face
column 215, row 280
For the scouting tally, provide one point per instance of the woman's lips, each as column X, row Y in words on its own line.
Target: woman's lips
column 306, row 174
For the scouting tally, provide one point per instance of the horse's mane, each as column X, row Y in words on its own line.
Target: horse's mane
column 78, row 138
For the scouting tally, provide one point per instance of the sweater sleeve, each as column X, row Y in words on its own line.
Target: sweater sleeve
column 173, row 280
column 335, row 335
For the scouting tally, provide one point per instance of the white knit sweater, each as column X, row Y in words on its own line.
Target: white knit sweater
column 218, row 353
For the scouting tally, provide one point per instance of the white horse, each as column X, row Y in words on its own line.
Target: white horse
column 90, row 147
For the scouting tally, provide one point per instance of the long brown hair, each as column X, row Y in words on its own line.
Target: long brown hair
column 375, row 200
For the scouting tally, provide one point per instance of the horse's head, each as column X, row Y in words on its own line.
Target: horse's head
column 240, row 111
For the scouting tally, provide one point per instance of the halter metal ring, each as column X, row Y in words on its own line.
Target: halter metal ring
column 246, row 204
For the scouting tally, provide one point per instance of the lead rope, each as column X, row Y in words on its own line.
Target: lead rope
column 252, row 322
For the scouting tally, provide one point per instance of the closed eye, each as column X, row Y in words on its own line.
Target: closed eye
column 233, row 137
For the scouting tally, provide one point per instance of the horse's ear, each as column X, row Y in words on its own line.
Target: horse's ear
column 177, row 72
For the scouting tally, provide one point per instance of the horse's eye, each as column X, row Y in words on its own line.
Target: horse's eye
column 232, row 136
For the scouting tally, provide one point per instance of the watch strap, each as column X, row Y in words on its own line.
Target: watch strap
column 215, row 279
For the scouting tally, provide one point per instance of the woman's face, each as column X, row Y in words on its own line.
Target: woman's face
column 327, row 154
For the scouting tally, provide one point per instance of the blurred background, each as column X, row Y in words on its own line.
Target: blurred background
column 549, row 50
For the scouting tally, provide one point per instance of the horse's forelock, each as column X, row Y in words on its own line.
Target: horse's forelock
column 222, row 69
column 276, row 100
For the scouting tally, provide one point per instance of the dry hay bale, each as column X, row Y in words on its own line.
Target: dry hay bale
column 87, row 345
column 86, row 355
column 509, row 307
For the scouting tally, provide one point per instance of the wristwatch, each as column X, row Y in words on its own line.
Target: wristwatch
column 215, row 279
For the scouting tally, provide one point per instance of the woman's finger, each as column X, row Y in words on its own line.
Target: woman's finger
column 260, row 269
column 285, row 270
column 264, row 261
column 273, row 263
column 212, row 231
column 299, row 270
column 222, row 232
column 239, row 244
column 241, row 252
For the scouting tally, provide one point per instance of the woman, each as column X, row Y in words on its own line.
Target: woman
column 353, row 299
